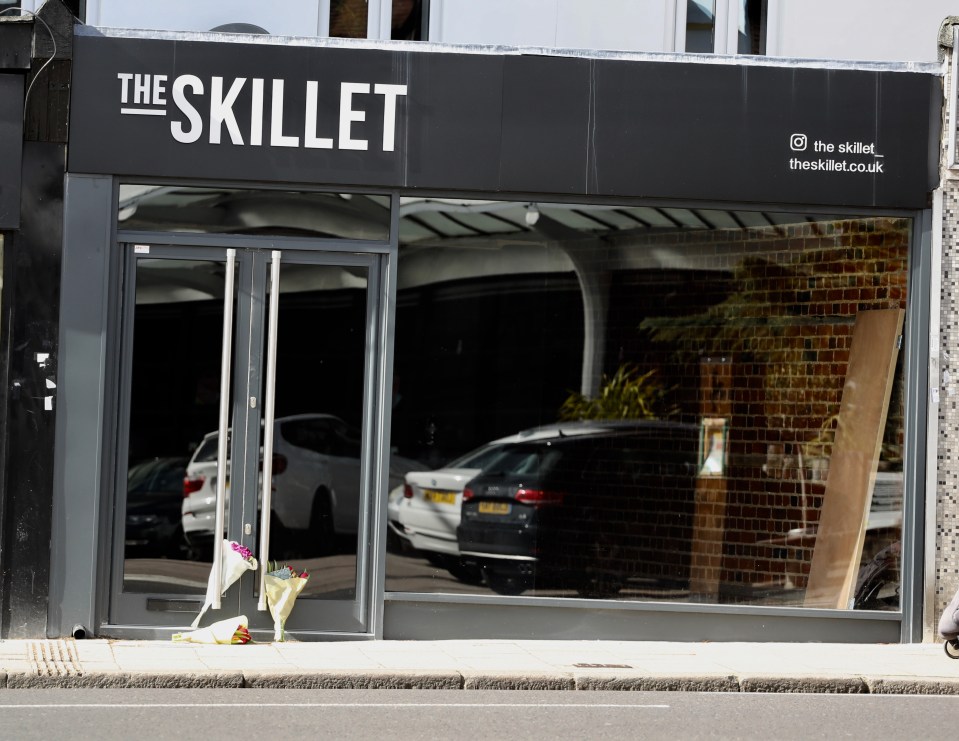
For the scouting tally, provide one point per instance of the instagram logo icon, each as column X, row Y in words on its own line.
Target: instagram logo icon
column 798, row 142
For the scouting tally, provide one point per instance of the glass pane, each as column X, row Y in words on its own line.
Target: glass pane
column 317, row 443
column 410, row 20
column 238, row 211
column 576, row 393
column 348, row 18
column 752, row 27
column 174, row 410
column 700, row 26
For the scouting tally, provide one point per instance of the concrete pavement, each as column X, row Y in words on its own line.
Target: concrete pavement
column 484, row 664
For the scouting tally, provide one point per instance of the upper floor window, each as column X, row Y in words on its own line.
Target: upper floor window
column 362, row 19
column 700, row 25
column 379, row 19
column 725, row 26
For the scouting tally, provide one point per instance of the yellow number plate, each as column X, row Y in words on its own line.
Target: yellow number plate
column 440, row 497
column 494, row 508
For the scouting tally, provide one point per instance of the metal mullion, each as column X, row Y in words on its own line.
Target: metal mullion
column 223, row 427
column 953, row 105
column 246, row 437
column 372, row 453
column 386, row 289
column 128, row 304
column 920, row 410
column 269, row 409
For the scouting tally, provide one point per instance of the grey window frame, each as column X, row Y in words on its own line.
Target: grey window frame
column 84, row 460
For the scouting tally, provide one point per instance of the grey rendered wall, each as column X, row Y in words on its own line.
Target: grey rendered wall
column 884, row 30
column 80, row 417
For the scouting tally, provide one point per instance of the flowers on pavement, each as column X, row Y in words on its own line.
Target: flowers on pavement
column 230, row 631
column 236, row 560
column 282, row 584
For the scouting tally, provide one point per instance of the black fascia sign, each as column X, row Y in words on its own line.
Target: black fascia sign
column 11, row 148
column 501, row 123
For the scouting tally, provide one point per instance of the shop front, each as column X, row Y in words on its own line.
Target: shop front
column 492, row 344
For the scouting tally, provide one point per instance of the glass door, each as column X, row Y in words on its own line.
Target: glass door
column 248, row 379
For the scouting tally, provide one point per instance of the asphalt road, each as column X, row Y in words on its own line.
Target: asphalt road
column 431, row 714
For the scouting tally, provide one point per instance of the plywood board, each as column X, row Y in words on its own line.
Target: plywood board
column 709, row 518
column 709, row 533
column 855, row 455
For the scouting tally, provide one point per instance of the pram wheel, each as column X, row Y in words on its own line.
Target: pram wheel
column 952, row 648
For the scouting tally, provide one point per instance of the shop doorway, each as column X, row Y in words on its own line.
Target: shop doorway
column 240, row 367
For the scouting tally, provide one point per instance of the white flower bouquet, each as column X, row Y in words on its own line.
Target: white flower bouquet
column 225, row 632
column 236, row 560
column 282, row 586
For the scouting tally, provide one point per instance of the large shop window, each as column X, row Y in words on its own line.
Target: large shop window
column 641, row 403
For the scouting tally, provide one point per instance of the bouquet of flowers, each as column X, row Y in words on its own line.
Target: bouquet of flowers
column 236, row 560
column 282, row 585
column 225, row 632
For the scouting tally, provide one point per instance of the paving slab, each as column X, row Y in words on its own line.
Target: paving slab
column 475, row 664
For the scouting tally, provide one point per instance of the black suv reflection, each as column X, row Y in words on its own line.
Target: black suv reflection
column 585, row 512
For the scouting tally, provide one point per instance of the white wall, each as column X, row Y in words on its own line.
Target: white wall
column 626, row 25
column 891, row 30
column 887, row 30
column 289, row 18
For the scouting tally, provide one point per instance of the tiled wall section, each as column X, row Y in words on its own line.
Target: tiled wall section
column 947, row 505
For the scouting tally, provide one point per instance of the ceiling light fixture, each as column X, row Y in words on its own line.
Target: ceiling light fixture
column 532, row 214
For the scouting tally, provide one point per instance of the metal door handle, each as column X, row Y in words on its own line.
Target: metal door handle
column 222, row 446
column 269, row 403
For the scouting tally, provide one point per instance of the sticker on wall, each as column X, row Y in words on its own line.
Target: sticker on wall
column 713, row 447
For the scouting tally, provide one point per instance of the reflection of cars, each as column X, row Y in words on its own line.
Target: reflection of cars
column 153, row 507
column 428, row 513
column 584, row 512
column 316, row 482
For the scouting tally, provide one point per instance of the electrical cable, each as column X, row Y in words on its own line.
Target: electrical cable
column 53, row 41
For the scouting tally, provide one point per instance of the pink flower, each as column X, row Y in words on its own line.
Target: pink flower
column 244, row 552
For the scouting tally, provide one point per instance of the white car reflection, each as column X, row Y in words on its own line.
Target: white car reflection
column 316, row 485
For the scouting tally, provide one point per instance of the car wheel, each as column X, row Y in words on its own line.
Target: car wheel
column 395, row 543
column 603, row 577
column 600, row 586
column 465, row 572
column 507, row 584
column 321, row 536
column 202, row 553
column 282, row 544
column 177, row 547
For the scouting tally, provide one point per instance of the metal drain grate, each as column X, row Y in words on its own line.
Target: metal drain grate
column 54, row 658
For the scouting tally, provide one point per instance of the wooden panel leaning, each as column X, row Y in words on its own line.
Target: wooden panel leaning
column 852, row 467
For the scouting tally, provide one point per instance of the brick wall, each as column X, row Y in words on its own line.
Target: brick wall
column 780, row 308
